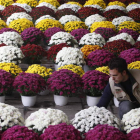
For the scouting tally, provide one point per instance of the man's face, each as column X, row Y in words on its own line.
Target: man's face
column 117, row 76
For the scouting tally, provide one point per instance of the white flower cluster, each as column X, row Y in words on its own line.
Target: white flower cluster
column 131, row 120
column 68, row 56
column 115, row 7
column 95, row 6
column 117, row 21
column 44, row 17
column 87, row 119
column 2, row 7
column 73, row 7
column 11, row 54
column 138, row 39
column 123, row 36
column 132, row 7
column 11, row 38
column 63, row 37
column 47, row 5
column 24, row 6
column 9, row 116
column 92, row 39
column 18, row 15
column 94, row 18
column 68, row 18
column 41, row 119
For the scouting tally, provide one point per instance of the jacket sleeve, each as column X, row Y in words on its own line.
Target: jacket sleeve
column 106, row 97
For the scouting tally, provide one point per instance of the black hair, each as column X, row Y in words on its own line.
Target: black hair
column 119, row 64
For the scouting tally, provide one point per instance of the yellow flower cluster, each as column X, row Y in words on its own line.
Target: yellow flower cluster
column 103, row 69
column 117, row 3
column 72, row 25
column 21, row 24
column 55, row 3
column 98, row 2
column 72, row 2
column 76, row 69
column 130, row 25
column 48, row 23
column 6, row 2
column 38, row 69
column 11, row 68
column 105, row 24
column 32, row 3
column 132, row 3
column 134, row 65
column 87, row 49
column 2, row 24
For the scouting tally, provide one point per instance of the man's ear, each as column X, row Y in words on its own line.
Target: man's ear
column 124, row 72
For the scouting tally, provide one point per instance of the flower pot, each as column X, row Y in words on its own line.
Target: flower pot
column 56, row 67
column 86, row 68
column 60, row 100
column 28, row 100
column 92, row 101
column 45, row 92
column 2, row 99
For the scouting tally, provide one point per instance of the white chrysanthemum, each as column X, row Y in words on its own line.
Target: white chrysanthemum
column 138, row 39
column 123, row 36
column 11, row 38
column 2, row 7
column 74, row 7
column 69, row 55
column 63, row 37
column 94, row 18
column 117, row 21
column 10, row 116
column 87, row 119
column 41, row 119
column 131, row 120
column 11, row 54
column 44, row 17
column 95, row 6
column 18, row 15
column 115, row 7
column 24, row 6
column 47, row 5
column 132, row 7
column 92, row 39
column 68, row 18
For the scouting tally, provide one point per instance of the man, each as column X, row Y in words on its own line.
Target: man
column 124, row 84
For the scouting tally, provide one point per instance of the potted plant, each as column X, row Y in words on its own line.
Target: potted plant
column 62, row 131
column 43, row 72
column 17, row 132
column 94, row 83
column 6, row 84
column 41, row 119
column 64, row 83
column 29, row 85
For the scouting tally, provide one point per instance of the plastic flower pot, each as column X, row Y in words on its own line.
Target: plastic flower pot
column 60, row 100
column 28, row 100
column 2, row 99
column 45, row 92
column 92, row 101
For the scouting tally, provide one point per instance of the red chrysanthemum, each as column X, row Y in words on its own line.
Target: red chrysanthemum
column 137, row 45
column 135, row 14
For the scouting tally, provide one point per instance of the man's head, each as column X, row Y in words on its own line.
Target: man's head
column 118, row 70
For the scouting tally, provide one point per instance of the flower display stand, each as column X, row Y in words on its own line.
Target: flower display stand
column 28, row 100
column 2, row 99
column 92, row 101
column 60, row 100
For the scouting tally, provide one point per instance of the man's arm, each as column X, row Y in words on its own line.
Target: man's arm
column 106, row 97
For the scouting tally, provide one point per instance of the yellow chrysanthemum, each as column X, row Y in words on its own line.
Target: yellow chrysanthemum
column 87, row 49
column 117, row 3
column 55, row 3
column 72, row 2
column 105, row 24
column 21, row 24
column 6, row 2
column 104, row 69
column 132, row 3
column 41, row 70
column 48, row 23
column 11, row 68
column 32, row 3
column 98, row 2
column 2, row 24
column 76, row 69
column 72, row 25
column 130, row 25
column 134, row 65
